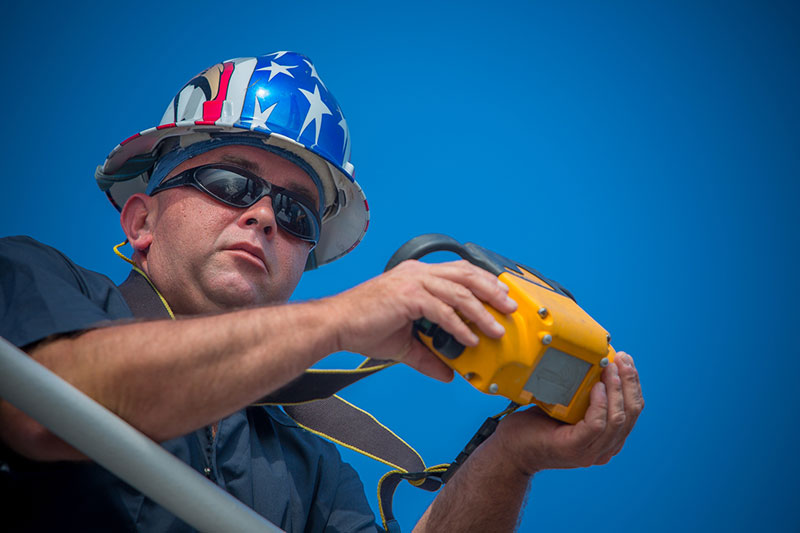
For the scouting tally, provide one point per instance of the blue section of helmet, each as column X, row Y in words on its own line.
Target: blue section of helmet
column 286, row 96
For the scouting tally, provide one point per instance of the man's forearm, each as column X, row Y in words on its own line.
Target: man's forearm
column 486, row 495
column 168, row 378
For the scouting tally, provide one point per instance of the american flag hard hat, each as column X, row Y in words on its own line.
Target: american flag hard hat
column 278, row 98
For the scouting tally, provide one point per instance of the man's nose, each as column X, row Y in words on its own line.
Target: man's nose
column 260, row 214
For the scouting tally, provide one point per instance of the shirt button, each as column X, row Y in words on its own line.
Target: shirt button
column 207, row 472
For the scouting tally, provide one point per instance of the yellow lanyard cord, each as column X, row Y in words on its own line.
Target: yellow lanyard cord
column 140, row 271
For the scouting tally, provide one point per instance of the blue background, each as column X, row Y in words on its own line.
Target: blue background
column 644, row 154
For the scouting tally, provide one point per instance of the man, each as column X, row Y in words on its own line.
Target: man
column 244, row 184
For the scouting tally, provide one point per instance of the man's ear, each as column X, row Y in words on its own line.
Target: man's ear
column 137, row 218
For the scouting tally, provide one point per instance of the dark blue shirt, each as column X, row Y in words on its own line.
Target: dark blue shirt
column 259, row 455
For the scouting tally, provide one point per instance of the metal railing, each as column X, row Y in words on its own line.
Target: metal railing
column 123, row 450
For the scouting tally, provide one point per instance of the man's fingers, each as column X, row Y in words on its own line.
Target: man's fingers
column 632, row 389
column 616, row 416
column 436, row 310
column 461, row 299
column 483, row 284
column 464, row 287
column 632, row 399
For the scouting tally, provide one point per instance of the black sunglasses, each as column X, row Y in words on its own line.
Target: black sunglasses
column 237, row 187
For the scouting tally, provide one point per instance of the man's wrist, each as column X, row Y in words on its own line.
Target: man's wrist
column 326, row 326
column 502, row 448
column 337, row 322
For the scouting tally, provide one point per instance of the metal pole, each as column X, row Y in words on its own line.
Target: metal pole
column 114, row 444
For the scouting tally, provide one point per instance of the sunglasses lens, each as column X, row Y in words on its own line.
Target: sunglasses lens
column 229, row 186
column 295, row 217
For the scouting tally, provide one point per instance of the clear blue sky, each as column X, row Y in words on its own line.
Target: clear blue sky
column 644, row 154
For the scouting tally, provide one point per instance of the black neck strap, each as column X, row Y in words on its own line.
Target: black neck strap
column 141, row 298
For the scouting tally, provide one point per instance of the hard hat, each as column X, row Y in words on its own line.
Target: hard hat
column 276, row 99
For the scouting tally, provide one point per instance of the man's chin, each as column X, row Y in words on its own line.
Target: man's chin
column 235, row 292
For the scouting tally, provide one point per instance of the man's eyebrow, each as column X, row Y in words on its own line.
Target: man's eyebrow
column 246, row 164
column 241, row 162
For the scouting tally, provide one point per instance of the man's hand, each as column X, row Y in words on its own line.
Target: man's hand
column 380, row 312
column 533, row 441
column 487, row 491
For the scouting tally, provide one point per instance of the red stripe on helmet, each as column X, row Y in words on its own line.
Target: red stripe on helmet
column 366, row 206
column 129, row 139
column 212, row 109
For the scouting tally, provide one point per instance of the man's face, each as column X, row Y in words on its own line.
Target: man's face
column 206, row 256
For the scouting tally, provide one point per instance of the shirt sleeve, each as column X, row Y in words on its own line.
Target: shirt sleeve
column 43, row 293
